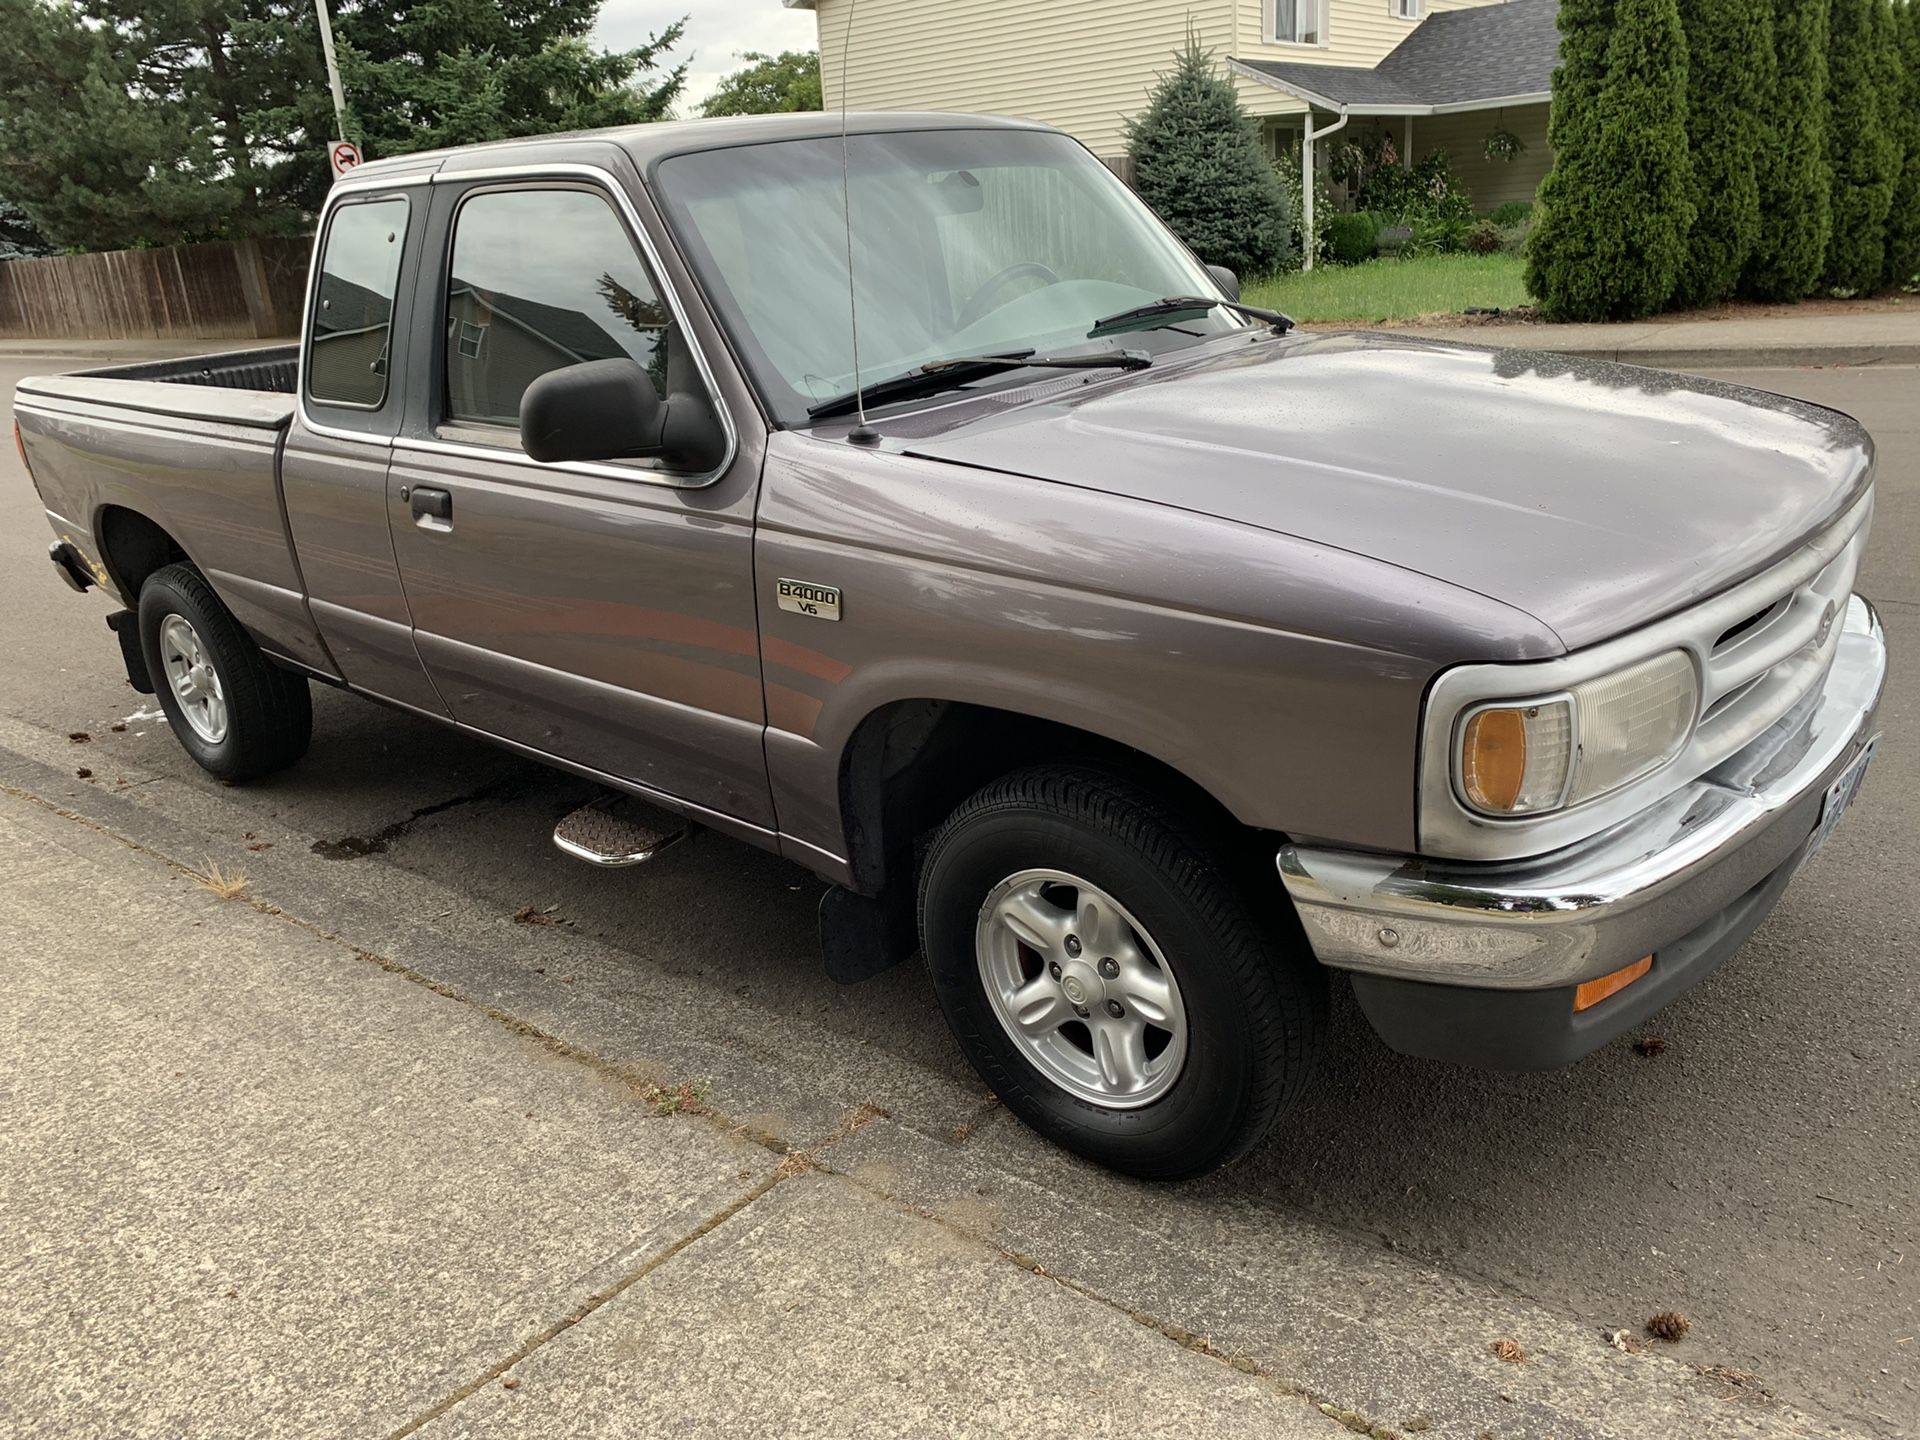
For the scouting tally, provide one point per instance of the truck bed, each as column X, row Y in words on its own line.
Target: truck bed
column 191, row 446
column 271, row 370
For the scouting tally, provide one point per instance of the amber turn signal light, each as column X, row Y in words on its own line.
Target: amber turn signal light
column 1594, row 991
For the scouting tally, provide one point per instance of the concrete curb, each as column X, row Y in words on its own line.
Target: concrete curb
column 1744, row 357
column 1754, row 355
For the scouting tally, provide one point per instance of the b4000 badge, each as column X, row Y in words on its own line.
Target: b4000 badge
column 803, row 597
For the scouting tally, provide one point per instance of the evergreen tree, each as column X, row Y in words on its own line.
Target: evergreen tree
column 19, row 237
column 768, row 85
column 1796, row 186
column 130, row 122
column 1725, row 42
column 1903, row 224
column 1861, row 147
column 1615, row 210
column 1198, row 163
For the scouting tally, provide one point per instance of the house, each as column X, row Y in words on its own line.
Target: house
column 1428, row 74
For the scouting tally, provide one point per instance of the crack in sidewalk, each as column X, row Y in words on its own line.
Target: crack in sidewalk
column 793, row 1163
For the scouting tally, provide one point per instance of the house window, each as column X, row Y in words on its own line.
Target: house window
column 1407, row 9
column 1300, row 22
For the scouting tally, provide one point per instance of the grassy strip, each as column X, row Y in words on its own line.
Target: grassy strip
column 1386, row 290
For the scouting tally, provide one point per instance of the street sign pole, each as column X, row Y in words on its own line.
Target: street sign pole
column 333, row 68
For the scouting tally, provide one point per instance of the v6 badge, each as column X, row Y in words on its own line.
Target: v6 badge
column 802, row 597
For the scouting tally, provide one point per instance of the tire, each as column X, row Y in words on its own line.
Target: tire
column 265, row 717
column 1246, row 1006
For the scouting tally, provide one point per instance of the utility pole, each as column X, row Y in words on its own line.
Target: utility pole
column 333, row 69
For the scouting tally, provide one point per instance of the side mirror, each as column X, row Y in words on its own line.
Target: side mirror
column 1228, row 282
column 597, row 410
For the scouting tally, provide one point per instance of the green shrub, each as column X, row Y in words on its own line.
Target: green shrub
column 1514, row 212
column 1861, row 142
column 1796, row 184
column 1723, row 129
column 1198, row 162
column 1483, row 237
column 1615, row 209
column 1429, row 192
column 1351, row 237
column 1287, row 173
column 1438, row 236
column 1513, row 239
column 1903, row 225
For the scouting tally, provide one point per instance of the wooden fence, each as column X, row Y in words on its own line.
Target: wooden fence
column 239, row 289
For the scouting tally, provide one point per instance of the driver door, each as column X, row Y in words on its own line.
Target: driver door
column 598, row 613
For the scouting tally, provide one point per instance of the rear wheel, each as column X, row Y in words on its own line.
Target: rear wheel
column 236, row 713
column 1107, row 978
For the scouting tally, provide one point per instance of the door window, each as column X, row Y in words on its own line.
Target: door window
column 542, row 279
column 353, row 304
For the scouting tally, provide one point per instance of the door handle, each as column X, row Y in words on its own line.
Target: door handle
column 425, row 500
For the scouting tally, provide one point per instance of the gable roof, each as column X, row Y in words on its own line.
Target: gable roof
column 1454, row 60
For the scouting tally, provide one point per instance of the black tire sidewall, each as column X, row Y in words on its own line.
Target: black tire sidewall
column 159, row 598
column 1198, row 1122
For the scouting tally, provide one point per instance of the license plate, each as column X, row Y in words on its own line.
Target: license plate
column 1839, row 796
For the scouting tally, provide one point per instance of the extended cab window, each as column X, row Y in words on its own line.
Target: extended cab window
column 542, row 279
column 353, row 304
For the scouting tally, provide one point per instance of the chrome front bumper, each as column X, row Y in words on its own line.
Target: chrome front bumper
column 1591, row 908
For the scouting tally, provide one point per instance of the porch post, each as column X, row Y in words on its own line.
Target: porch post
column 1306, row 190
column 1406, row 147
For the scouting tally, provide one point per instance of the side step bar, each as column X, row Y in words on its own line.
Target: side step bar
column 615, row 830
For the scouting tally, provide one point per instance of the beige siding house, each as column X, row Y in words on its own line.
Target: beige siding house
column 1438, row 73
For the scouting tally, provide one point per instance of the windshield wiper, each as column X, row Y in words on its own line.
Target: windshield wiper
column 1186, row 305
column 938, row 375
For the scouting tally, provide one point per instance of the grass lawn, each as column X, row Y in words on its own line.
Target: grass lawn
column 1383, row 290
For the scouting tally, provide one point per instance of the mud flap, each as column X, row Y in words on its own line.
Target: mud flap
column 861, row 937
column 126, row 626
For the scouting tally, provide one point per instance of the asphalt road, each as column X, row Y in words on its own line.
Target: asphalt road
column 1759, row 1174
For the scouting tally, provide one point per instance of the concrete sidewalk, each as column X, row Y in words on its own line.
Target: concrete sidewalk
column 253, row 1182
column 1884, row 337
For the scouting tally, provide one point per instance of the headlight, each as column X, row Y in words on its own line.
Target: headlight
column 1525, row 757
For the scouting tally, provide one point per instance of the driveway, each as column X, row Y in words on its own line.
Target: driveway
column 1757, row 1173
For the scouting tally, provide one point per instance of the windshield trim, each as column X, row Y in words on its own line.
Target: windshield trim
column 752, row 362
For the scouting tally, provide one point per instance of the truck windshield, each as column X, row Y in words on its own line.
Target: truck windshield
column 965, row 242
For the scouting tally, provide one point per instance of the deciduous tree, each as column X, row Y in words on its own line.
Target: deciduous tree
column 768, row 85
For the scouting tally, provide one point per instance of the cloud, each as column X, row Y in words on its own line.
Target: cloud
column 717, row 31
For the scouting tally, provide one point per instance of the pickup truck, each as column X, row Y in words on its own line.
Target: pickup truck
column 907, row 500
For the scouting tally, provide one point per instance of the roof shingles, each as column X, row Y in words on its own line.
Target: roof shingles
column 1457, row 57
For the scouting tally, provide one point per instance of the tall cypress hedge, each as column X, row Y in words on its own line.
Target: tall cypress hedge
column 1729, row 48
column 1198, row 162
column 1903, row 225
column 1861, row 146
column 1796, row 185
column 1616, row 208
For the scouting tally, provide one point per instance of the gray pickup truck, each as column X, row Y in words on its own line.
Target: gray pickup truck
column 1139, row 659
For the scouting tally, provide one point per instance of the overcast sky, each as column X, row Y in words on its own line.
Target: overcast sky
column 717, row 31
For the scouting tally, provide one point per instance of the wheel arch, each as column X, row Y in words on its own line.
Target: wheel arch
column 909, row 763
column 132, row 547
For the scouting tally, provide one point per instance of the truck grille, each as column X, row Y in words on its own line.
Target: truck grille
column 1753, row 671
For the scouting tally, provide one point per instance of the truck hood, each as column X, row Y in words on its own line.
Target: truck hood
column 1594, row 496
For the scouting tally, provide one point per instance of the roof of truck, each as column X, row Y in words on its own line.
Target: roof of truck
column 647, row 144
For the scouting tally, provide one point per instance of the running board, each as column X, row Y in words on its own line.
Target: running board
column 614, row 830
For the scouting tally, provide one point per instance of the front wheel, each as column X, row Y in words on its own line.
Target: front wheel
column 1107, row 978
column 234, row 712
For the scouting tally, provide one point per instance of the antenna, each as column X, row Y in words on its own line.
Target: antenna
column 860, row 434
